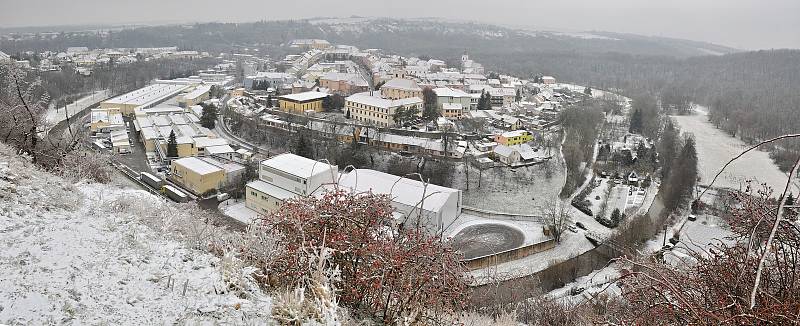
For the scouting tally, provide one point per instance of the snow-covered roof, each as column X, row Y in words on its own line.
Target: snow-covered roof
column 297, row 165
column 403, row 84
column 355, row 79
column 270, row 189
column 148, row 95
column 197, row 165
column 402, row 190
column 305, row 96
column 197, row 92
column 205, row 142
column 222, row 149
column 450, row 92
column 515, row 133
column 376, row 101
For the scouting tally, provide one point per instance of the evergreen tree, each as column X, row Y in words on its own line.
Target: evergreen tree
column 668, row 148
column 303, row 146
column 518, row 97
column 172, row 145
column 587, row 91
column 683, row 176
column 399, row 115
column 636, row 122
column 327, row 104
column 209, row 117
column 429, row 112
column 616, row 217
column 347, row 114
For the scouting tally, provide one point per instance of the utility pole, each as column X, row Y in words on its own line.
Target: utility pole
column 665, row 236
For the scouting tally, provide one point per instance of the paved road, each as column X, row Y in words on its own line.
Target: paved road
column 221, row 128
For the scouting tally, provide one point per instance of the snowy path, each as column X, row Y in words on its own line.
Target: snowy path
column 55, row 115
column 715, row 148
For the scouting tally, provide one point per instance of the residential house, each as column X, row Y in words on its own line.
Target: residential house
column 516, row 154
column 515, row 137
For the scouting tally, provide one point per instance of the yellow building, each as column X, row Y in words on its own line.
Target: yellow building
column 302, row 102
column 196, row 96
column 197, row 175
column 264, row 198
column 515, row 137
column 399, row 88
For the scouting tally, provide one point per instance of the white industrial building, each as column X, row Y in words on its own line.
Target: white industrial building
column 434, row 207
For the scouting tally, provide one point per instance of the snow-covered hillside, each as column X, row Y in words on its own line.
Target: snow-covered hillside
column 89, row 254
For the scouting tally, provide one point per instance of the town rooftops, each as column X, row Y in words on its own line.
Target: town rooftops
column 297, row 165
column 355, row 79
column 401, row 190
column 376, row 101
column 197, row 165
column 305, row 96
column 403, row 84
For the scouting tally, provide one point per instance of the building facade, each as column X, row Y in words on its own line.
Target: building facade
column 378, row 111
column 197, row 175
column 400, row 88
column 302, row 102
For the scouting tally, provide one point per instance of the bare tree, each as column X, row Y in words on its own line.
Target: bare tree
column 557, row 217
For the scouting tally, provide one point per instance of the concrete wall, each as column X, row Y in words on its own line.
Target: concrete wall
column 509, row 255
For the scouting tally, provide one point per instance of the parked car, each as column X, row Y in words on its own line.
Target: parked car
column 572, row 228
column 580, row 225
column 575, row 290
column 692, row 217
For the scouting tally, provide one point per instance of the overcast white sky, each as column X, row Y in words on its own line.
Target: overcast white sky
column 746, row 24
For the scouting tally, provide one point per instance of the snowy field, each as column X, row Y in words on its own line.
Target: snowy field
column 82, row 254
column 524, row 190
column 715, row 148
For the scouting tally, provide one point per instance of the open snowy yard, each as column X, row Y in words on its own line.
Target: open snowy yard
column 715, row 148
column 81, row 254
column 524, row 190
